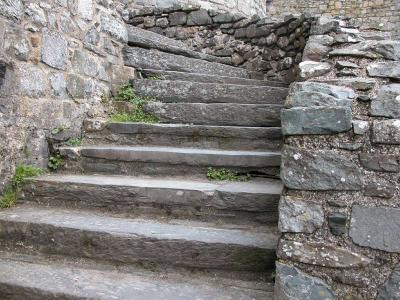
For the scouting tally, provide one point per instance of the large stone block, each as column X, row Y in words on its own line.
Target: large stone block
column 296, row 215
column 376, row 227
column 31, row 81
column 116, row 28
column 386, row 132
column 308, row 99
column 291, row 284
column 199, row 17
column 316, row 120
column 85, row 9
column 13, row 9
column 309, row 69
column 339, row 92
column 391, row 288
column 384, row 69
column 54, row 50
column 380, row 162
column 387, row 102
column 89, row 65
column 318, row 170
column 388, row 49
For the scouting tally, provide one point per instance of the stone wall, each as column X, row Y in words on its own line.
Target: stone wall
column 340, row 212
column 265, row 46
column 243, row 7
column 381, row 13
column 57, row 58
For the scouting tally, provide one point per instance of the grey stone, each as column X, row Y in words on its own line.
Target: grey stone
column 386, row 132
column 88, row 64
column 387, row 101
column 78, row 87
column 224, row 18
column 391, row 288
column 58, row 84
column 177, row 18
column 315, row 52
column 376, row 227
column 319, row 87
column 379, row 190
column 85, row 9
column 271, row 39
column 13, row 9
column 308, row 99
column 54, row 50
column 199, row 17
column 291, row 283
column 195, row 92
column 325, row 40
column 32, row 81
column 388, row 49
column 341, row 64
column 296, row 215
column 321, row 254
column 384, row 69
column 337, row 223
column 92, row 37
column 22, row 50
column 326, row 170
column 360, row 127
column 309, row 69
column 114, row 27
column 149, row 21
column 36, row 13
column 348, row 38
column 324, row 25
column 316, row 120
column 162, row 22
column 360, row 84
column 380, row 162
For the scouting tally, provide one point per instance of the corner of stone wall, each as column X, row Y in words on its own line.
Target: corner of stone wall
column 339, row 214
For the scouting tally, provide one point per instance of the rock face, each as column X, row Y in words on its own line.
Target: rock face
column 367, row 228
column 296, row 215
column 384, row 69
column 386, row 132
column 54, row 50
column 12, row 9
column 321, row 254
column 292, row 284
column 387, row 101
column 325, row 170
column 391, row 288
column 371, row 49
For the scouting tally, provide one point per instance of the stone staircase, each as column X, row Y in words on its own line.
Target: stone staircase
column 132, row 214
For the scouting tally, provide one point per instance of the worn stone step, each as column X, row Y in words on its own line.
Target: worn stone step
column 184, row 76
column 141, row 58
column 76, row 233
column 183, row 135
column 34, row 277
column 255, row 201
column 221, row 114
column 151, row 40
column 194, row 92
column 171, row 161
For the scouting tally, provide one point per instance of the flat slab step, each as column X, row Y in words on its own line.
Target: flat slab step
column 249, row 202
column 184, row 76
column 141, row 58
column 22, row 279
column 217, row 114
column 97, row 236
column 148, row 39
column 183, row 135
column 194, row 92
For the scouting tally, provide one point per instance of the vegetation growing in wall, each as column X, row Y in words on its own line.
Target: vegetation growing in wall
column 137, row 113
column 55, row 162
column 76, row 142
column 221, row 174
column 22, row 172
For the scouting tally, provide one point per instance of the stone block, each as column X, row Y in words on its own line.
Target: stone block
column 54, row 50
column 380, row 162
column 198, row 18
column 337, row 223
column 387, row 102
column 114, row 27
column 319, row 170
column 386, row 132
column 296, row 215
column 384, row 69
column 319, row 87
column 376, row 227
column 12, row 9
column 379, row 190
column 89, row 65
column 309, row 69
column 85, row 9
column 387, row 49
column 308, row 99
column 32, row 81
column 360, row 127
column 391, row 288
column 177, row 18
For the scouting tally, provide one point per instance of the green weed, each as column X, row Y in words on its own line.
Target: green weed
column 77, row 142
column 222, row 174
column 55, row 162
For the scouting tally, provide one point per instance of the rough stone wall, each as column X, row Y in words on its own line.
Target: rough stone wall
column 57, row 58
column 267, row 47
column 380, row 13
column 243, row 7
column 340, row 212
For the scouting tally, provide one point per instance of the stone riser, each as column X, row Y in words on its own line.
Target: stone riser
column 130, row 201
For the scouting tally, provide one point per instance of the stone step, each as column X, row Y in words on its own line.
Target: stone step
column 183, row 135
column 32, row 277
column 184, row 76
column 166, row 161
column 151, row 40
column 194, row 92
column 82, row 234
column 220, row 114
column 141, row 58
column 254, row 201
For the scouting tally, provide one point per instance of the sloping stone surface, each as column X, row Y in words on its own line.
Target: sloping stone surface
column 153, row 59
column 325, row 170
column 387, row 101
column 367, row 228
column 291, row 284
column 194, row 92
column 388, row 49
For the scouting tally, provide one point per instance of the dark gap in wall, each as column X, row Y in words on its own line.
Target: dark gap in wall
column 3, row 70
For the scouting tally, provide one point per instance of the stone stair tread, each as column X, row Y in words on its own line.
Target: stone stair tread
column 26, row 278
column 195, row 92
column 196, row 77
column 177, row 155
column 196, row 232
column 141, row 58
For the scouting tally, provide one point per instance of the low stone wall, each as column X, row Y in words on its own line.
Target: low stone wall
column 57, row 58
column 339, row 214
column 270, row 47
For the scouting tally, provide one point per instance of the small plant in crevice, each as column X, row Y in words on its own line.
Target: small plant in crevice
column 155, row 77
column 222, row 174
column 76, row 142
column 11, row 192
column 59, row 129
column 127, row 94
column 55, row 162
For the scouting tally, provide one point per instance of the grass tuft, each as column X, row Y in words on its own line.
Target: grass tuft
column 77, row 142
column 222, row 174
